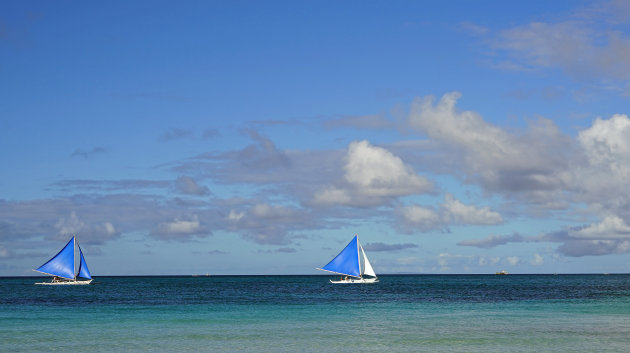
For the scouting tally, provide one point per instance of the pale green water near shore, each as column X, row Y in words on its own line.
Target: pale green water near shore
column 453, row 313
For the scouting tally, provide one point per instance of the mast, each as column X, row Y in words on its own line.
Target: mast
column 359, row 256
column 74, row 255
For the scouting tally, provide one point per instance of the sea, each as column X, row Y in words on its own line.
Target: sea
column 401, row 313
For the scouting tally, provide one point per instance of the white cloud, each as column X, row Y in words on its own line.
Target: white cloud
column 603, row 180
column 417, row 217
column 181, row 229
column 483, row 261
column 235, row 216
column 372, row 176
column 179, row 226
column 611, row 227
column 89, row 232
column 442, row 122
column 377, row 172
column 607, row 141
column 452, row 211
column 466, row 214
column 517, row 164
column 595, row 174
column 270, row 211
column 332, row 196
column 107, row 229
column 69, row 226
column 537, row 260
column 513, row 260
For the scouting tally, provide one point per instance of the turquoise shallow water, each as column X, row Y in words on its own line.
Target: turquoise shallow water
column 421, row 313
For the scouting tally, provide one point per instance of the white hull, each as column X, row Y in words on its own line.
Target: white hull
column 65, row 283
column 355, row 280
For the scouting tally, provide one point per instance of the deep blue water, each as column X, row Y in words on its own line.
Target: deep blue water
column 410, row 313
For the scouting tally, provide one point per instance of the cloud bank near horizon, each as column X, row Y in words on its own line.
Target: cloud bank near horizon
column 367, row 180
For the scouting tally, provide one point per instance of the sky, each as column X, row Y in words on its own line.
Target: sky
column 257, row 137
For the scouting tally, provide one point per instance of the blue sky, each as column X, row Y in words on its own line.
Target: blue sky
column 250, row 137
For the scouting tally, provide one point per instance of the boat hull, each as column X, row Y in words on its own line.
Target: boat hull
column 355, row 281
column 65, row 283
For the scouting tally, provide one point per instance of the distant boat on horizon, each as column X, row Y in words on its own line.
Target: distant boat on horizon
column 352, row 264
column 62, row 267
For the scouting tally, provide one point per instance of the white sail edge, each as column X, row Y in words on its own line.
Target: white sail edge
column 368, row 270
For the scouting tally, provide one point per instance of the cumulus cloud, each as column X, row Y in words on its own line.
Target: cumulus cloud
column 69, row 225
column 518, row 164
column 417, row 217
column 594, row 173
column 513, row 260
column 611, row 227
column 451, row 212
column 372, row 176
column 483, row 260
column 181, row 228
column 234, row 216
column 537, row 260
column 603, row 180
column 601, row 183
column 592, row 169
column 93, row 233
column 377, row 172
column 610, row 236
column 331, row 195
column 460, row 213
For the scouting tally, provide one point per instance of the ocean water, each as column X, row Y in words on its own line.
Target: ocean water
column 415, row 313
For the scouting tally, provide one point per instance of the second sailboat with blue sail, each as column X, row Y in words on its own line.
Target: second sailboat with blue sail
column 352, row 264
column 62, row 266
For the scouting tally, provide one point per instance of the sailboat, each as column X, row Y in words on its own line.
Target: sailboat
column 61, row 267
column 352, row 264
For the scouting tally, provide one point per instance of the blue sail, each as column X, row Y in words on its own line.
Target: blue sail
column 62, row 264
column 84, row 272
column 347, row 262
